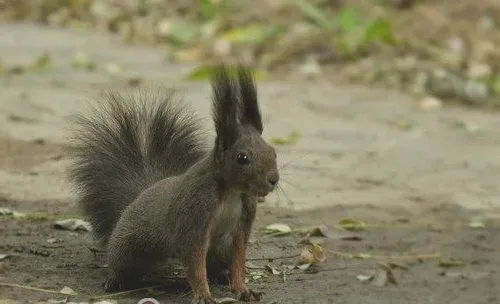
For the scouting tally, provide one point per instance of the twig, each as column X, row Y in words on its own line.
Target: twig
column 123, row 292
column 36, row 289
column 274, row 258
column 369, row 256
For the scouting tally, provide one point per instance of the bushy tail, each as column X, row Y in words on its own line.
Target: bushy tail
column 125, row 144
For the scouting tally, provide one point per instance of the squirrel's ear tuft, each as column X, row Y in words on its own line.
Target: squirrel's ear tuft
column 250, row 112
column 225, row 102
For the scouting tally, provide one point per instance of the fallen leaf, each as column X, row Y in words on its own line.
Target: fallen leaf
column 364, row 277
column 465, row 275
column 68, row 291
column 448, row 263
column 351, row 224
column 388, row 271
column 43, row 62
column 312, row 255
column 290, row 139
column 54, row 240
column 380, row 278
column 73, row 224
column 7, row 211
column 272, row 270
column 278, row 229
column 476, row 225
column 303, row 266
column 226, row 300
column 429, row 103
column 3, row 256
column 251, row 265
column 82, row 61
column 363, row 256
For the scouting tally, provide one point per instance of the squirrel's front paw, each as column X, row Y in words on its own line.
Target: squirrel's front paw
column 203, row 299
column 246, row 295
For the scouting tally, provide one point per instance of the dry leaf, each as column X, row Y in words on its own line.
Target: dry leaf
column 226, row 300
column 68, row 291
column 303, row 266
column 476, row 225
column 363, row 256
column 312, row 255
column 278, row 229
column 429, row 103
column 272, row 270
column 380, row 278
column 73, row 224
column 364, row 277
column 388, row 270
column 351, row 224
column 3, row 256
column 450, row 263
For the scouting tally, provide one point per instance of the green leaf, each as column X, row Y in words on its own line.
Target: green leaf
column 42, row 63
column 450, row 263
column 351, row 224
column 82, row 61
column 207, row 9
column 182, row 32
column 290, row 139
column 379, row 30
column 313, row 13
column 476, row 225
column 253, row 33
column 348, row 19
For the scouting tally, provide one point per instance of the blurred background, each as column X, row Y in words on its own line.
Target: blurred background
column 447, row 49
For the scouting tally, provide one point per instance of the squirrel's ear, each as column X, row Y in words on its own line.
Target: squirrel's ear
column 225, row 99
column 250, row 112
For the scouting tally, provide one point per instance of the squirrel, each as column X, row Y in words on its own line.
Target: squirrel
column 153, row 191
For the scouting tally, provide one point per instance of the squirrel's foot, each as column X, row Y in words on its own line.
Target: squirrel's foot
column 203, row 299
column 246, row 295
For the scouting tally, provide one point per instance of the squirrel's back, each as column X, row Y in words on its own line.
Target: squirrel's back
column 124, row 145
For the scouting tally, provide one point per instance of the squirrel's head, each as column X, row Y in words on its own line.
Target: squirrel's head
column 245, row 160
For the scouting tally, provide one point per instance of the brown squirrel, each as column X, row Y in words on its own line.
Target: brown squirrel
column 152, row 191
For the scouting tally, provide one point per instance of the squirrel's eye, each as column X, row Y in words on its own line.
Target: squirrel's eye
column 242, row 159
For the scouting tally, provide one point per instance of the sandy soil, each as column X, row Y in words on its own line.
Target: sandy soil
column 364, row 154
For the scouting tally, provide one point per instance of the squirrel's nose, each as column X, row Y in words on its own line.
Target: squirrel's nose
column 273, row 178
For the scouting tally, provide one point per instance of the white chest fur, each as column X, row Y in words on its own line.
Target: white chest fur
column 227, row 215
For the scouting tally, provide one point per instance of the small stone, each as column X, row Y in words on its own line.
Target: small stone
column 429, row 103
column 310, row 67
column 475, row 92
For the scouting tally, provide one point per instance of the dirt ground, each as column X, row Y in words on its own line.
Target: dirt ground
column 417, row 178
